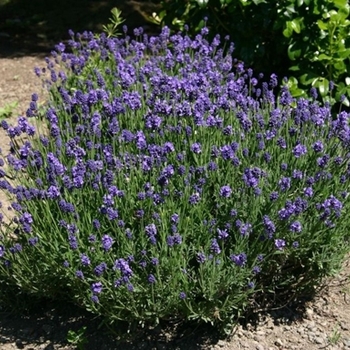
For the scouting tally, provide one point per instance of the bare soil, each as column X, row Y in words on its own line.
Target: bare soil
column 323, row 323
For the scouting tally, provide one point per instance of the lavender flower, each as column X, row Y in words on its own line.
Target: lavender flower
column 222, row 234
column 318, row 146
column 84, row 260
column 284, row 183
column 99, row 269
column 239, row 259
column 107, row 242
column 256, row 270
column 155, row 261
column 225, row 191
column 175, row 218
column 182, row 295
column 196, row 148
column 299, row 150
column 269, row 226
column 79, row 274
column 151, row 279
column 214, row 247
column 245, row 229
column 33, row 241
column 295, row 226
column 73, row 241
column 194, row 198
column 251, row 285
column 96, row 288
column 151, row 232
column 201, row 258
column 94, row 299
column 280, row 244
column 123, row 266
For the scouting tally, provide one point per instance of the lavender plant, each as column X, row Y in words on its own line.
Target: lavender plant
column 162, row 183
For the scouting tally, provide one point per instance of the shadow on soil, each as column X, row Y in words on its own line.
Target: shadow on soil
column 38, row 323
column 47, row 324
column 34, row 27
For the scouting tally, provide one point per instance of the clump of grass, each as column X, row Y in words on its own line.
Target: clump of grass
column 7, row 110
column 335, row 336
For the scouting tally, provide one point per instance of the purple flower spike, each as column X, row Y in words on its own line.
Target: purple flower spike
column 123, row 266
column 99, row 269
column 107, row 242
column 194, row 199
column 308, row 192
column 196, row 148
column 175, row 218
column 96, row 288
column 280, row 244
column 239, row 259
column 284, row 183
column 84, row 260
column 95, row 299
column 296, row 226
column 182, row 295
column 214, row 247
column 299, row 150
column 79, row 274
column 201, row 258
column 151, row 279
column 222, row 234
column 225, row 191
column 245, row 229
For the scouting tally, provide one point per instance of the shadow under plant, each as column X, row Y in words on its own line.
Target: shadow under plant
column 61, row 325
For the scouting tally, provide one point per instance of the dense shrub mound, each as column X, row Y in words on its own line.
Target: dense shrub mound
column 160, row 183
